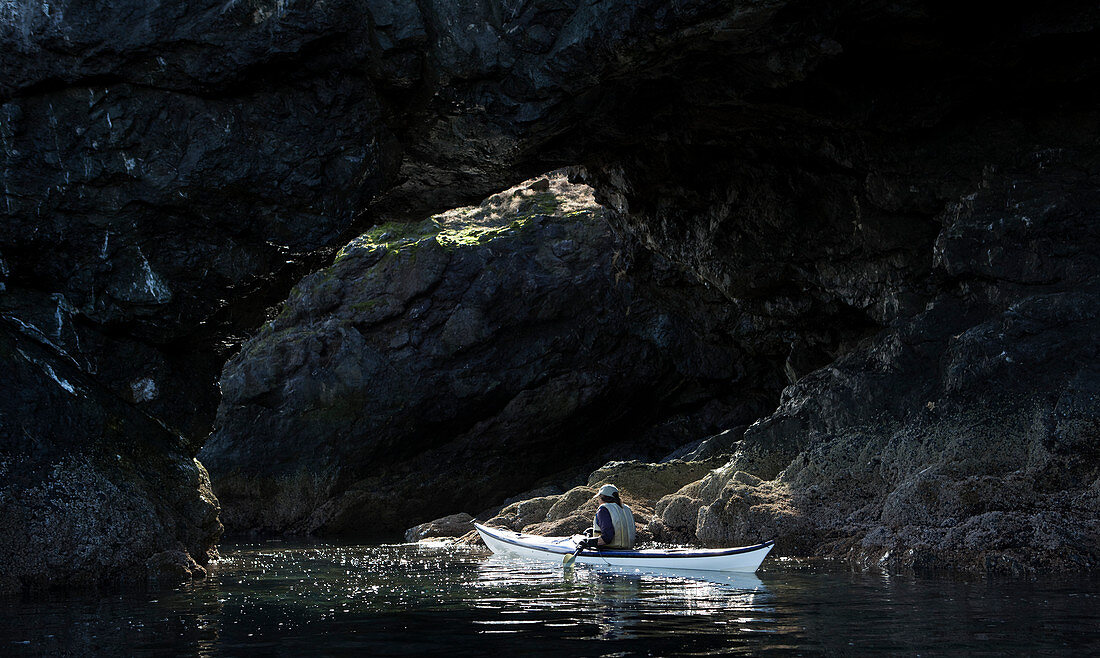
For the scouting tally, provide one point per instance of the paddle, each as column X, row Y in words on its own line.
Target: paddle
column 581, row 545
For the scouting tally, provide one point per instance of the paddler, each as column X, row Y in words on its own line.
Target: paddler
column 614, row 523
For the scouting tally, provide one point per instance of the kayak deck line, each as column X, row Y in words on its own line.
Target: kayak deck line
column 744, row 558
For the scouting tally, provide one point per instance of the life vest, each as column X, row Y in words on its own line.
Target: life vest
column 622, row 519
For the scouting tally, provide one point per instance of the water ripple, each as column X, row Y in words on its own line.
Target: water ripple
column 411, row 600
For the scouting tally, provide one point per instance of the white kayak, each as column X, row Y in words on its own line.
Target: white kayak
column 535, row 547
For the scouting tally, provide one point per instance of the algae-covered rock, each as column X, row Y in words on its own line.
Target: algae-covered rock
column 443, row 365
column 570, row 502
column 645, row 487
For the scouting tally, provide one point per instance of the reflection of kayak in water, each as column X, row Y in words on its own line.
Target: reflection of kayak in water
column 554, row 549
column 707, row 590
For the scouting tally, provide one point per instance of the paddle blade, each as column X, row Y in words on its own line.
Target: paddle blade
column 572, row 557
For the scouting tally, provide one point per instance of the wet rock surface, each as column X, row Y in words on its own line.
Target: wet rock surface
column 167, row 173
column 453, row 362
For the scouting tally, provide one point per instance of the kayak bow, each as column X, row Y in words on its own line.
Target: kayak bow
column 745, row 559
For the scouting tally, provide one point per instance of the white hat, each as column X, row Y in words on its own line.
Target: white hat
column 608, row 490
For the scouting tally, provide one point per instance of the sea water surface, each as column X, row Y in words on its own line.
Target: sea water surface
column 278, row 598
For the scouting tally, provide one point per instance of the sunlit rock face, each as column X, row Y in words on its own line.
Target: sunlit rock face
column 450, row 363
column 168, row 172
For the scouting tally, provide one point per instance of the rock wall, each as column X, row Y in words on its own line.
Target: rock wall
column 90, row 494
column 168, row 172
column 161, row 167
column 965, row 436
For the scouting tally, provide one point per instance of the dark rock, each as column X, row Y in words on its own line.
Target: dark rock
column 172, row 567
column 449, row 363
column 723, row 443
column 965, row 437
column 161, row 167
column 91, row 491
column 454, row 525
column 168, row 172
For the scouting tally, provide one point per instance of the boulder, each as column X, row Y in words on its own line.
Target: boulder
column 521, row 514
column 92, row 493
column 450, row 363
column 454, row 525
column 651, row 481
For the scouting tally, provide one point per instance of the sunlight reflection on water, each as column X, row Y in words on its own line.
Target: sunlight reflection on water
column 403, row 600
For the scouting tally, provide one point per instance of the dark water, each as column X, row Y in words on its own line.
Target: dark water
column 280, row 599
